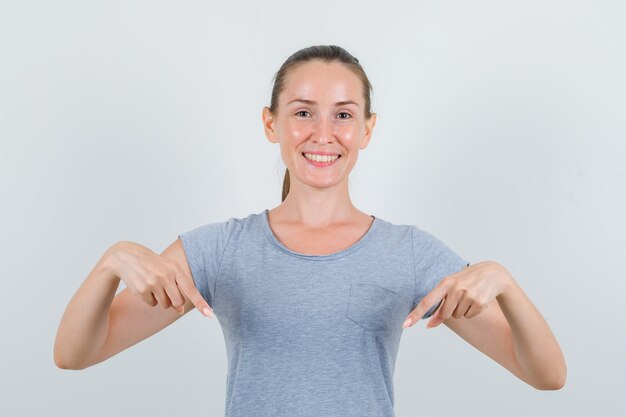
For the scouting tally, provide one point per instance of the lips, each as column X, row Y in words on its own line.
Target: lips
column 322, row 153
column 321, row 163
column 304, row 154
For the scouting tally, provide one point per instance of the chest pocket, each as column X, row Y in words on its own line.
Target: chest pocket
column 371, row 306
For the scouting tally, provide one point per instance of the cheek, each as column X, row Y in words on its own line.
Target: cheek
column 297, row 130
column 297, row 134
column 348, row 137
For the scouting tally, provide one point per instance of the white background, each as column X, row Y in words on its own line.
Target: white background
column 500, row 130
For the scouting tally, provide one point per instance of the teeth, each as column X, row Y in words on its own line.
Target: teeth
column 321, row 158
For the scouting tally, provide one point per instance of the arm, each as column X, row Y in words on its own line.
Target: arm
column 484, row 305
column 98, row 324
column 514, row 333
column 85, row 322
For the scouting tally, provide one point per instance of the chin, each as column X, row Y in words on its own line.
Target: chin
column 322, row 182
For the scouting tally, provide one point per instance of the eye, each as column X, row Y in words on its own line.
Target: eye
column 302, row 111
column 343, row 112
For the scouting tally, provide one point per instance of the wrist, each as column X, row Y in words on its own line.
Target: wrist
column 507, row 282
column 108, row 262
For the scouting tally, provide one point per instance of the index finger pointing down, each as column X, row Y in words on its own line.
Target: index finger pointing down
column 188, row 288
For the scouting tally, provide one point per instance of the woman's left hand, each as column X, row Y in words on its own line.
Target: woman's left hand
column 466, row 293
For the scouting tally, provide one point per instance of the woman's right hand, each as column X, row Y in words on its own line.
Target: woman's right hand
column 154, row 278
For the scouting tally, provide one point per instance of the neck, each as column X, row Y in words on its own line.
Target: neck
column 315, row 207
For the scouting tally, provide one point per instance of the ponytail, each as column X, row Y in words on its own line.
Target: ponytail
column 285, row 185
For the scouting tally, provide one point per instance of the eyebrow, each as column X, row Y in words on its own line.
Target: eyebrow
column 339, row 103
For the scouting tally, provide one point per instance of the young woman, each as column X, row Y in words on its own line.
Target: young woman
column 314, row 294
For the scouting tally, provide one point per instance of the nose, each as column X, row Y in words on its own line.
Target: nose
column 325, row 131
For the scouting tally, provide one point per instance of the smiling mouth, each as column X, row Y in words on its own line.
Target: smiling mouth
column 321, row 160
column 337, row 155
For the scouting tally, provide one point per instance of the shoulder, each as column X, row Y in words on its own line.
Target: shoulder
column 218, row 227
column 425, row 245
column 394, row 230
column 211, row 238
column 418, row 235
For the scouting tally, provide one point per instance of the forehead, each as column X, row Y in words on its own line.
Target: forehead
column 322, row 81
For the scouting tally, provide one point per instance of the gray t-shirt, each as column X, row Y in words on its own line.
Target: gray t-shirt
column 313, row 335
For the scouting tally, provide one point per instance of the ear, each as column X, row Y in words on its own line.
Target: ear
column 369, row 127
column 268, row 125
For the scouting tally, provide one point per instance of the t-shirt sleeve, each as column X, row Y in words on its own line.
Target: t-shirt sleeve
column 204, row 248
column 434, row 260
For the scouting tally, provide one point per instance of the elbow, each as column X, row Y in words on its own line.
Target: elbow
column 551, row 386
column 58, row 360
column 555, row 383
column 60, row 363
column 63, row 363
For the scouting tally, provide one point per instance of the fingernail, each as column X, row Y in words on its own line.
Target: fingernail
column 406, row 323
column 207, row 312
column 181, row 311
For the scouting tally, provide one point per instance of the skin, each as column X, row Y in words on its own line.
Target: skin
column 318, row 216
column 98, row 324
column 482, row 303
